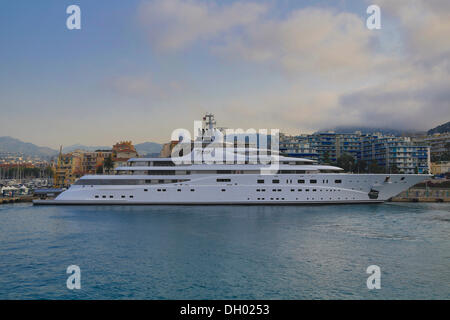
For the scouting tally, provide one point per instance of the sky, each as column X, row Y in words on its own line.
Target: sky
column 138, row 69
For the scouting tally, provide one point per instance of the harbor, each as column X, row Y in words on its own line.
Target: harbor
column 226, row 155
column 259, row 252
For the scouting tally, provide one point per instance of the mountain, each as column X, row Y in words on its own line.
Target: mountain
column 83, row 147
column 366, row 130
column 12, row 145
column 145, row 148
column 148, row 148
column 440, row 129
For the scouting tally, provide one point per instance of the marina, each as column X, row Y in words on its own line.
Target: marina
column 216, row 171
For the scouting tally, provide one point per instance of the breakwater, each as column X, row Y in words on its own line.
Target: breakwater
column 5, row 200
column 423, row 195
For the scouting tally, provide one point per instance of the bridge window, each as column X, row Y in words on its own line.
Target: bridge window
column 313, row 181
column 337, row 181
column 223, row 180
column 275, row 181
column 260, row 181
column 301, row 181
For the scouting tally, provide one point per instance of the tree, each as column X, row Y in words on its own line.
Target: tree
column 346, row 162
column 108, row 163
column 361, row 166
column 375, row 168
column 326, row 157
column 99, row 170
column 394, row 169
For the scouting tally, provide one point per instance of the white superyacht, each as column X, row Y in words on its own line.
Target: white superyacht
column 253, row 176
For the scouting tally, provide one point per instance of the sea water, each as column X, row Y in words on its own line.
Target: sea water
column 225, row 252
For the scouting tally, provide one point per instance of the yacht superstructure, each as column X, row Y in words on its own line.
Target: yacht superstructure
column 249, row 176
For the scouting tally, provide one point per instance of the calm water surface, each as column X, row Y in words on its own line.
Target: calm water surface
column 213, row 252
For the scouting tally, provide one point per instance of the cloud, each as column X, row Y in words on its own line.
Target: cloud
column 309, row 39
column 175, row 24
column 317, row 40
column 335, row 71
column 425, row 23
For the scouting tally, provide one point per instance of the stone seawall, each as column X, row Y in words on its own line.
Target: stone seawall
column 423, row 195
column 5, row 200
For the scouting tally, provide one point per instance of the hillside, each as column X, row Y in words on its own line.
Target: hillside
column 367, row 130
column 12, row 145
column 85, row 148
column 142, row 148
column 148, row 148
column 440, row 129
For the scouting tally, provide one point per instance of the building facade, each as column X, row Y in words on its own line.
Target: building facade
column 122, row 151
column 439, row 144
column 71, row 166
column 395, row 154
column 297, row 146
column 440, row 168
column 389, row 153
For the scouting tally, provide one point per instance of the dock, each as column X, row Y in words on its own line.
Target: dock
column 6, row 200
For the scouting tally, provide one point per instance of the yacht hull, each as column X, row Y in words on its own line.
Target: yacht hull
column 243, row 189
